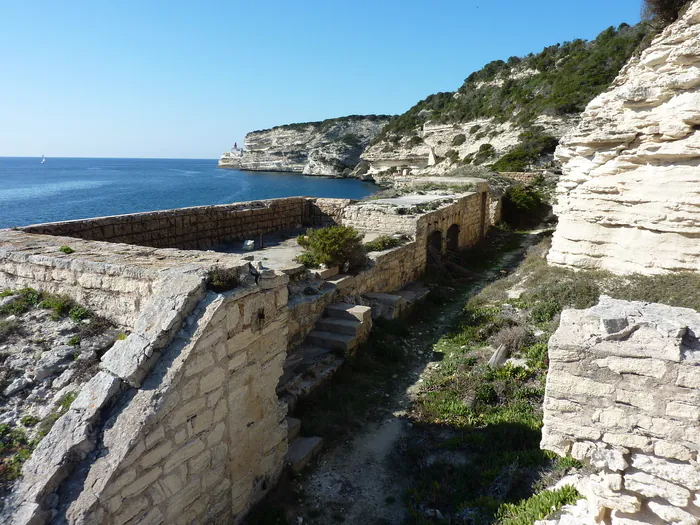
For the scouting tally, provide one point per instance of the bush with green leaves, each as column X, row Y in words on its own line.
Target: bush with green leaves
column 534, row 143
column 568, row 76
column 66, row 249
column 414, row 141
column 334, row 246
column 381, row 243
column 458, row 140
column 222, row 279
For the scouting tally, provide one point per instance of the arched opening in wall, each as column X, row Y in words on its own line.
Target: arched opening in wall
column 434, row 246
column 452, row 238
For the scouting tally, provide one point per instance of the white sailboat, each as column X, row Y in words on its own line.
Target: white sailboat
column 43, row 159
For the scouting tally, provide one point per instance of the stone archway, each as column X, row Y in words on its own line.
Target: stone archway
column 434, row 246
column 452, row 238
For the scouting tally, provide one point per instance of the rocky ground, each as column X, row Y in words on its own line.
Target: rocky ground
column 49, row 347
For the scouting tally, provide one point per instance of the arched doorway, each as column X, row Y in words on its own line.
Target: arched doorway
column 434, row 246
column 452, row 238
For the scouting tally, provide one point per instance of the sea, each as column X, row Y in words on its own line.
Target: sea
column 71, row 188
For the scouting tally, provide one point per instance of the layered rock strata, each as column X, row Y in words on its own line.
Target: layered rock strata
column 330, row 147
column 437, row 149
column 629, row 200
column 622, row 395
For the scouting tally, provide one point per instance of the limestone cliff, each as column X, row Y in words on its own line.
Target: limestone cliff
column 629, row 199
column 330, row 147
column 509, row 114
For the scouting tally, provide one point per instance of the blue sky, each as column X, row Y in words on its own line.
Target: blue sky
column 187, row 79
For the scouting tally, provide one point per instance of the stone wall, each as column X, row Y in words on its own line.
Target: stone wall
column 182, row 423
column 114, row 280
column 200, row 227
column 627, row 201
column 622, row 394
column 190, row 433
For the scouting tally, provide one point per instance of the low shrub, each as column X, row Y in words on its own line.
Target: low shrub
column 28, row 298
column 60, row 304
column 381, row 243
column 538, row 507
column 334, row 246
column 66, row 249
column 222, row 279
column 308, row 259
column 536, row 356
column 512, row 337
column 544, row 311
column 7, row 328
column 523, row 205
column 79, row 313
column 460, row 139
column 414, row 141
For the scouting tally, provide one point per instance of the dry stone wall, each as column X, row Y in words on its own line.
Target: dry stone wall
column 628, row 200
column 182, row 424
column 622, row 394
column 200, row 227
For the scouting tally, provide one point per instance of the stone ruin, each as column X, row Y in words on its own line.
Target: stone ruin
column 623, row 395
column 185, row 422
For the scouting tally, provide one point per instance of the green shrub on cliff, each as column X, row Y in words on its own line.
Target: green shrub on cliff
column 333, row 246
column 534, row 143
column 565, row 77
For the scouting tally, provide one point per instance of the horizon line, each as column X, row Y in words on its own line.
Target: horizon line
column 135, row 158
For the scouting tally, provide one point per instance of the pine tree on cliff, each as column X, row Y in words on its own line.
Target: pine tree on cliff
column 662, row 11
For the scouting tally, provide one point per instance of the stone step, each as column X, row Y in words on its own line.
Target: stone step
column 301, row 451
column 333, row 341
column 386, row 305
column 337, row 325
column 349, row 311
column 326, row 273
column 293, row 428
column 311, row 354
column 341, row 281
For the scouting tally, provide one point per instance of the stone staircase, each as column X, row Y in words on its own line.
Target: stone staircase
column 335, row 336
column 301, row 449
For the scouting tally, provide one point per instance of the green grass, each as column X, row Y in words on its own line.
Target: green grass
column 537, row 507
column 15, row 448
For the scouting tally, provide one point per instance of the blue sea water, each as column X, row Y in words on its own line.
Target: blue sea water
column 64, row 188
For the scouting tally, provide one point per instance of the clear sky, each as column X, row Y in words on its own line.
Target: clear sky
column 186, row 79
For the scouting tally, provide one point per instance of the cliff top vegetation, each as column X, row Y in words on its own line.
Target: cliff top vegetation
column 325, row 125
column 560, row 80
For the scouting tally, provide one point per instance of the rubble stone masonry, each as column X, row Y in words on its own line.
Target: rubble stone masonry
column 623, row 394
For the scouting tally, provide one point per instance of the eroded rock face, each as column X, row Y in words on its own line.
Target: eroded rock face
column 629, row 199
column 331, row 147
column 480, row 141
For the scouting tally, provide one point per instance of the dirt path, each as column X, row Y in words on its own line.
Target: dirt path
column 356, row 481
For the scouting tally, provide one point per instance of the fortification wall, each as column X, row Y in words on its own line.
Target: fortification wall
column 622, row 394
column 114, row 280
column 200, row 227
column 190, row 433
column 182, row 423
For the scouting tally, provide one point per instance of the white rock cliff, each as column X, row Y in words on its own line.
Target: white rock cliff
column 331, row 147
column 629, row 198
